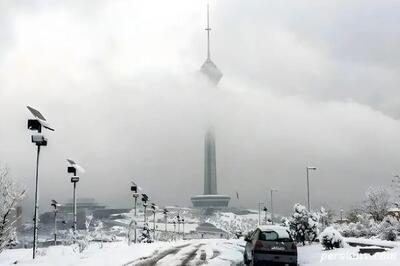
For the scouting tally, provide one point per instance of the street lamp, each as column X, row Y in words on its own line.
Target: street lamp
column 145, row 198
column 55, row 204
column 272, row 205
column 134, row 189
column 178, row 218
column 308, row 168
column 183, row 228
column 265, row 213
column 153, row 209
column 165, row 212
column 39, row 140
column 73, row 168
column 259, row 212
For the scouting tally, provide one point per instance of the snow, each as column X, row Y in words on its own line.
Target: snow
column 213, row 252
column 315, row 255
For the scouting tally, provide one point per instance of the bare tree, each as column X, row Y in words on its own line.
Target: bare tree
column 9, row 197
column 377, row 202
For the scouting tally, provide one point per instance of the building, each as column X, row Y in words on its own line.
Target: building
column 210, row 197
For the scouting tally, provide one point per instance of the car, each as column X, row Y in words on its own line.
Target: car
column 270, row 245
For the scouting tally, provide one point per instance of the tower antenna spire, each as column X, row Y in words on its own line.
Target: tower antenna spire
column 208, row 29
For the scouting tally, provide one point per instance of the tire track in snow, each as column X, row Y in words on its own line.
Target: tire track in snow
column 155, row 257
column 191, row 255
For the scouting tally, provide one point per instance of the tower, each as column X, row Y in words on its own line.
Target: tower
column 210, row 197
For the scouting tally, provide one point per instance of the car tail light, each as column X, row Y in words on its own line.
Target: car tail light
column 294, row 247
column 258, row 245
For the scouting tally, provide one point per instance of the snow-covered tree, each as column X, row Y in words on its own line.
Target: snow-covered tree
column 395, row 191
column 285, row 222
column 388, row 228
column 330, row 238
column 325, row 217
column 145, row 236
column 303, row 224
column 353, row 214
column 9, row 197
column 377, row 202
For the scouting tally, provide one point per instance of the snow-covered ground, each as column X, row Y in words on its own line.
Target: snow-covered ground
column 348, row 256
column 190, row 252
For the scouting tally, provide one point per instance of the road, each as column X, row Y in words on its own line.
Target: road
column 195, row 252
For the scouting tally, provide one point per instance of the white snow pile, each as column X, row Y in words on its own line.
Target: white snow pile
column 330, row 238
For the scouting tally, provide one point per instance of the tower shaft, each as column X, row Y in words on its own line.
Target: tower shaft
column 210, row 165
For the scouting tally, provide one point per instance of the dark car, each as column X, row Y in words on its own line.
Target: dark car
column 270, row 245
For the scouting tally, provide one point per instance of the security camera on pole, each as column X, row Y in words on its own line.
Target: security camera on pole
column 73, row 168
column 55, row 204
column 39, row 140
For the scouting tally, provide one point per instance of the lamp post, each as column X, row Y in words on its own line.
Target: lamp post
column 265, row 214
column 145, row 198
column 134, row 189
column 153, row 209
column 165, row 212
column 308, row 168
column 259, row 212
column 174, row 223
column 272, row 205
column 39, row 140
column 55, row 204
column 178, row 218
column 72, row 169
column 183, row 228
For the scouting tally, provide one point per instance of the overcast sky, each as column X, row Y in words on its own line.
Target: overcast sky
column 305, row 83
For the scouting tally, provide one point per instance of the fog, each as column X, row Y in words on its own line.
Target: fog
column 305, row 83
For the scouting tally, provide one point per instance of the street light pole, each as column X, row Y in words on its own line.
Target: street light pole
column 74, row 200
column 165, row 218
column 259, row 213
column 35, row 217
column 134, row 189
column 55, row 205
column 183, row 228
column 72, row 169
column 39, row 140
column 272, row 205
column 308, row 168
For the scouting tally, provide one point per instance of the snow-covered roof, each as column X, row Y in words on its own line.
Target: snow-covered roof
column 394, row 209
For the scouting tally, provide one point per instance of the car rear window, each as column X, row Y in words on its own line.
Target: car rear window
column 275, row 235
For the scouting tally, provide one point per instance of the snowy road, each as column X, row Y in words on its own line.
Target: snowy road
column 217, row 252
column 196, row 252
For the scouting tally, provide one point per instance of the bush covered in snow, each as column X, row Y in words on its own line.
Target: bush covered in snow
column 303, row 224
column 389, row 228
column 9, row 198
column 330, row 238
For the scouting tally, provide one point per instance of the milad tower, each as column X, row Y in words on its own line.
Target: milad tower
column 210, row 197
